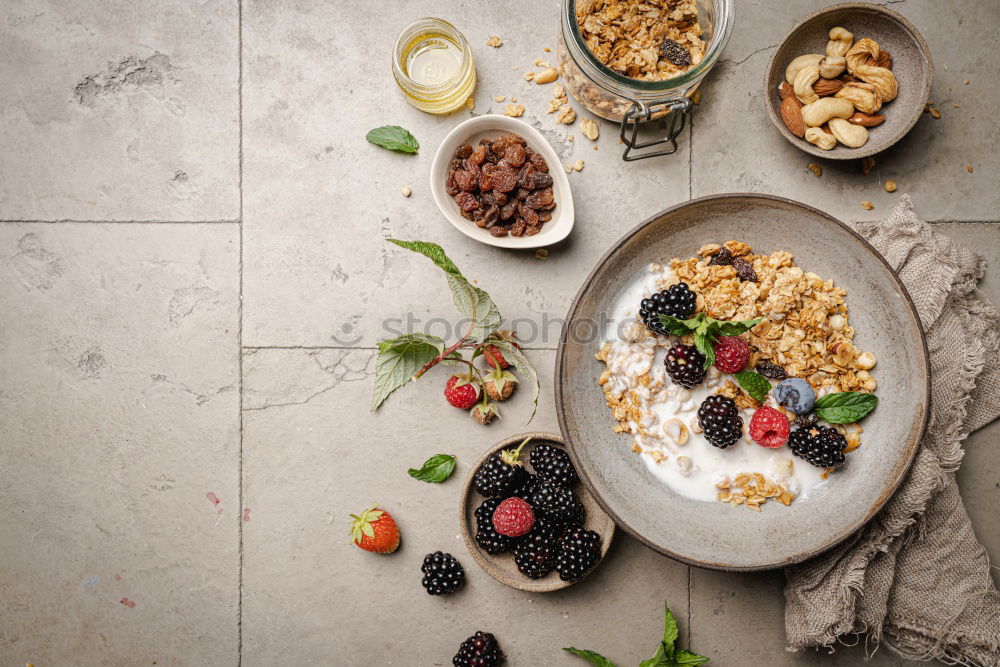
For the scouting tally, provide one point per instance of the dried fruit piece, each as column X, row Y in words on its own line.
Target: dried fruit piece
column 465, row 181
column 539, row 162
column 744, row 270
column 675, row 53
column 723, row 257
column 539, row 198
column 466, row 201
column 771, row 370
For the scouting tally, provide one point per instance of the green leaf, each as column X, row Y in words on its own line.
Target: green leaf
column 591, row 657
column 703, row 342
column 471, row 301
column 661, row 658
column 517, row 359
column 683, row 658
column 436, row 469
column 677, row 326
column 669, row 627
column 735, row 328
column 845, row 407
column 399, row 358
column 754, row 383
column 394, row 138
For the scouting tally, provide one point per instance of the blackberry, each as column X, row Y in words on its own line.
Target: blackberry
column 677, row 301
column 720, row 420
column 554, row 464
column 487, row 536
column 442, row 573
column 821, row 446
column 535, row 553
column 525, row 489
column 579, row 553
column 501, row 473
column 685, row 366
column 479, row 650
column 557, row 503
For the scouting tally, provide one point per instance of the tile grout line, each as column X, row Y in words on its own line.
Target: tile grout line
column 239, row 335
column 687, row 628
column 356, row 347
column 68, row 221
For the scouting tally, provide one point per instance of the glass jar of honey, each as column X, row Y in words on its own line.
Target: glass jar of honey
column 433, row 65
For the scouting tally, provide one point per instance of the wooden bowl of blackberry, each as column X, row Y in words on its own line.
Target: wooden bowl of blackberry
column 526, row 518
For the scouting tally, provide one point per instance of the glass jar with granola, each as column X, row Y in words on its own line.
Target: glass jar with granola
column 635, row 61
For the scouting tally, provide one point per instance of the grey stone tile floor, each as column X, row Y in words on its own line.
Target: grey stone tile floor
column 193, row 275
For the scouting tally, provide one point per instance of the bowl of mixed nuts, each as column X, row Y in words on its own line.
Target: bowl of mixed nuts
column 848, row 81
column 498, row 181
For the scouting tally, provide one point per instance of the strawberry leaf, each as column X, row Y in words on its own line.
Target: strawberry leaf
column 513, row 354
column 399, row 358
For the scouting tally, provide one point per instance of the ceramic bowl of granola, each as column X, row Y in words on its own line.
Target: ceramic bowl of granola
column 718, row 382
column 872, row 80
column 515, row 197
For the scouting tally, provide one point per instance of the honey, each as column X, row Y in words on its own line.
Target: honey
column 434, row 66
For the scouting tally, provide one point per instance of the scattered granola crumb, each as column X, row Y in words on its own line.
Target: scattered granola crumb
column 513, row 99
column 816, row 170
column 554, row 105
column 495, row 42
column 867, row 164
column 929, row 108
column 570, row 138
column 966, row 82
column 513, row 110
column 696, row 97
column 589, row 129
column 407, row 191
column 514, row 67
column 559, row 91
column 542, row 63
column 547, row 50
column 529, row 76
column 547, row 75
column 968, row 167
column 542, row 253
column 578, row 166
column 595, row 147
column 566, row 115
column 890, row 186
column 499, row 98
column 935, row 114
column 470, row 103
column 867, row 205
column 955, row 106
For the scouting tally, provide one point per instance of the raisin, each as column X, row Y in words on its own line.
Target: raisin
column 491, row 216
column 500, row 144
column 504, row 163
column 521, row 193
column 487, row 199
column 721, row 258
column 466, row 201
column 529, row 215
column 771, row 370
column 465, row 181
column 539, row 198
column 539, row 162
column 478, row 155
column 544, row 216
column 456, row 164
column 500, row 198
column 477, row 216
column 528, row 151
column 531, row 231
column 523, row 176
column 744, row 270
column 540, row 180
column 464, row 151
column 517, row 229
column 504, row 180
column 507, row 210
column 472, row 168
column 675, row 53
column 466, row 214
column 515, row 155
column 497, row 230
column 449, row 184
column 547, row 207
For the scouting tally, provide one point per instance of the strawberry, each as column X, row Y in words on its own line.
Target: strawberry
column 499, row 385
column 461, row 391
column 375, row 530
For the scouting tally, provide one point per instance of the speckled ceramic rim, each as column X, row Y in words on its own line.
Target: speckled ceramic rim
column 873, row 146
column 551, row 582
column 911, row 445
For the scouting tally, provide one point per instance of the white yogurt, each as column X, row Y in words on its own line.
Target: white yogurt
column 691, row 467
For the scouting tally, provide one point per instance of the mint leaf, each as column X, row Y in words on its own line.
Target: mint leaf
column 662, row 658
column 399, row 358
column 436, row 469
column 394, row 138
column 735, row 328
column 683, row 658
column 754, row 383
column 703, row 341
column 845, row 407
column 677, row 326
column 669, row 627
column 472, row 302
column 517, row 359
column 591, row 657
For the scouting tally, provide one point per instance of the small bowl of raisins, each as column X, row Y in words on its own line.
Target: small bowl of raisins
column 498, row 181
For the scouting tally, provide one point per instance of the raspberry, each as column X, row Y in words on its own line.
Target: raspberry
column 460, row 392
column 768, row 427
column 494, row 357
column 513, row 517
column 731, row 354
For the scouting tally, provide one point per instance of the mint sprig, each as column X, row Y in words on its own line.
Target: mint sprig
column 667, row 654
column 706, row 330
column 754, row 384
column 393, row 137
column 436, row 469
column 845, row 407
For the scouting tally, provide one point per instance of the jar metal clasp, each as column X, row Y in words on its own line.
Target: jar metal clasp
column 676, row 117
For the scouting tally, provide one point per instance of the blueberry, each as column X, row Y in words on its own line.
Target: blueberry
column 796, row 395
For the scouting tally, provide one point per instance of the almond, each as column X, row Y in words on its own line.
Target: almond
column 785, row 90
column 866, row 119
column 791, row 114
column 827, row 87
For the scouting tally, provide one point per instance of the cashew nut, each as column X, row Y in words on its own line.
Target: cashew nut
column 825, row 108
column 676, row 430
column 864, row 96
column 819, row 138
column 831, row 67
column 859, row 60
column 866, row 360
column 803, row 84
column 800, row 62
column 840, row 42
column 852, row 136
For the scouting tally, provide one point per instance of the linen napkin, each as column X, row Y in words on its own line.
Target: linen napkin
column 916, row 579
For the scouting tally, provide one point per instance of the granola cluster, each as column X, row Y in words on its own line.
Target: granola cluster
column 805, row 328
column 752, row 490
column 629, row 36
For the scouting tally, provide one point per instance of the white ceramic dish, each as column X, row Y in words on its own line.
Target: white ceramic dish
column 492, row 126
